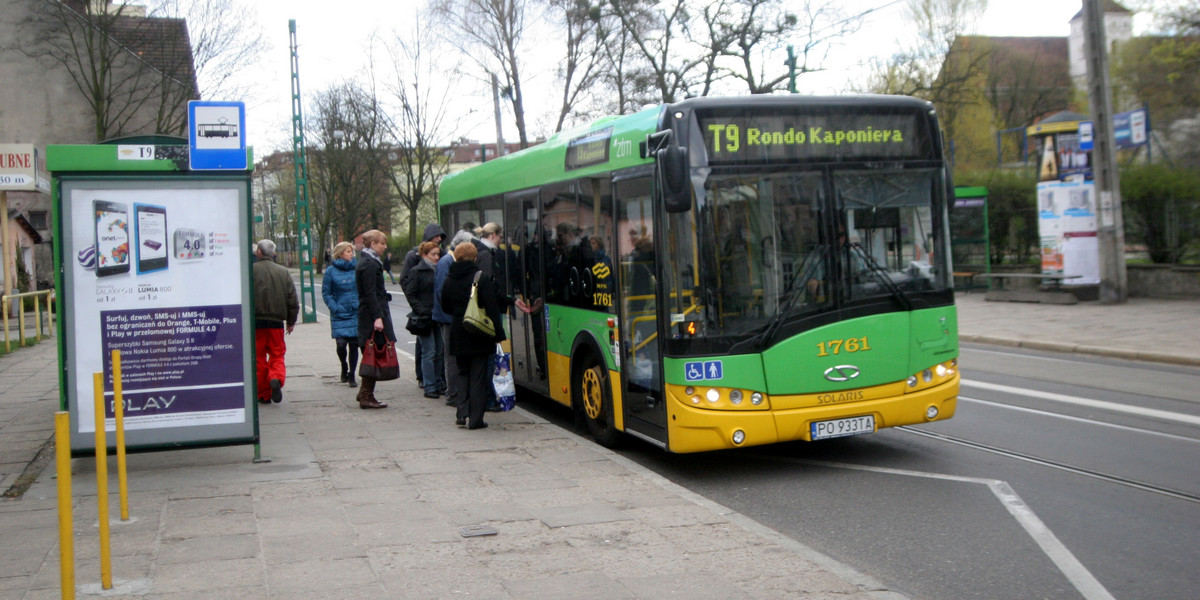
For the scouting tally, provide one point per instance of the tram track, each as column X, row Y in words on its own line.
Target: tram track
column 997, row 450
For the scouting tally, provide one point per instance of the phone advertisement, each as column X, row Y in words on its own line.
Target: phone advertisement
column 112, row 237
column 178, row 318
column 151, row 237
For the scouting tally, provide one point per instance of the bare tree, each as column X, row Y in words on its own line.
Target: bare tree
column 630, row 78
column 133, row 72
column 349, row 193
column 226, row 40
column 491, row 32
column 692, row 47
column 922, row 69
column 583, row 63
column 745, row 37
column 415, row 159
column 658, row 32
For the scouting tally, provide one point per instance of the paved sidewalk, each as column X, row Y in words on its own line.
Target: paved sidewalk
column 369, row 504
column 1152, row 329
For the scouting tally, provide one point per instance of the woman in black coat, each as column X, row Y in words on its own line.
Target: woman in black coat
column 471, row 350
column 374, row 314
column 418, row 289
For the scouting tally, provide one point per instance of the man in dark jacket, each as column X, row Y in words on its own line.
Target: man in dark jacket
column 276, row 307
column 433, row 233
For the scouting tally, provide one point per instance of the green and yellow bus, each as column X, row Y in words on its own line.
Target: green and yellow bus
column 728, row 272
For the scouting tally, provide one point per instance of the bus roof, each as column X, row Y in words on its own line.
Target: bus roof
column 611, row 143
column 619, row 137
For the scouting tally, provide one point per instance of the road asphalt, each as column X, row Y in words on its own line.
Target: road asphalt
column 366, row 504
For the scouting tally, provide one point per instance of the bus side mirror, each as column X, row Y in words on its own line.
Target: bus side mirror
column 673, row 173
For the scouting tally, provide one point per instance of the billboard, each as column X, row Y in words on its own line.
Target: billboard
column 158, row 268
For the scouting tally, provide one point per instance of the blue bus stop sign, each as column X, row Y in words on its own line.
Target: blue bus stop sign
column 217, row 136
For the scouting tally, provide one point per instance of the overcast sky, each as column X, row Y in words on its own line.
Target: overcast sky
column 332, row 43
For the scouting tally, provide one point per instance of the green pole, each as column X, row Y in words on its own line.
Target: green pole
column 308, row 297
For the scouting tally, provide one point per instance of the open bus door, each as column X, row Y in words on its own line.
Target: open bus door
column 527, row 329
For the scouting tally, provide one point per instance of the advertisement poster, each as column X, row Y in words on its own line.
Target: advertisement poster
column 158, row 274
column 1067, row 230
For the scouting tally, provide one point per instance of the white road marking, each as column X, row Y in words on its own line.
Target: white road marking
column 1083, row 580
column 1100, row 404
column 1047, row 413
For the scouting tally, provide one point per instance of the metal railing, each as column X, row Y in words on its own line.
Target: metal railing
column 6, row 299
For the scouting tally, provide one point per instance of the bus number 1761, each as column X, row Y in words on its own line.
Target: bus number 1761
column 838, row 346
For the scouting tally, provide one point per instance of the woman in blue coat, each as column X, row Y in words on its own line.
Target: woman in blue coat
column 341, row 297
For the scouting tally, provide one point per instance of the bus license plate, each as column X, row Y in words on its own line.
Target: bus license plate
column 823, row 430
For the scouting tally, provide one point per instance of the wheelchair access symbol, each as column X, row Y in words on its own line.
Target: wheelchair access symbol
column 702, row 371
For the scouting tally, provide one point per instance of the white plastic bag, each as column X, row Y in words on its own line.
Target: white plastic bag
column 502, row 380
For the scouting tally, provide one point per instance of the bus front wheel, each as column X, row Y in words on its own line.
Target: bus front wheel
column 598, row 406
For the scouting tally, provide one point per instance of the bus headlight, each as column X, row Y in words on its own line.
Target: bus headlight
column 756, row 398
column 931, row 413
column 931, row 376
column 739, row 436
column 735, row 396
column 713, row 395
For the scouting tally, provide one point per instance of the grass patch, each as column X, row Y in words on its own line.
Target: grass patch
column 16, row 344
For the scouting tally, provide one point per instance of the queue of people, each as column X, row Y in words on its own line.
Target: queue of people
column 450, row 360
column 439, row 284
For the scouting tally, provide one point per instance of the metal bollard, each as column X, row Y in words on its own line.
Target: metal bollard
column 102, row 483
column 66, row 528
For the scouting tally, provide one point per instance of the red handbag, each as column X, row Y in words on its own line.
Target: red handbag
column 379, row 359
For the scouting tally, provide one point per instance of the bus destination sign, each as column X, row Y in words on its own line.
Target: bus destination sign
column 745, row 137
column 589, row 149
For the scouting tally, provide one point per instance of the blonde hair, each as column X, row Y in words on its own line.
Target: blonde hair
column 489, row 229
column 340, row 248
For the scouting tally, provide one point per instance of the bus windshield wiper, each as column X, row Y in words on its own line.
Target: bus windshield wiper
column 881, row 275
column 795, row 288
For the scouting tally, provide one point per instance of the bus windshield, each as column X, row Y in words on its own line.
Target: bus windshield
column 770, row 249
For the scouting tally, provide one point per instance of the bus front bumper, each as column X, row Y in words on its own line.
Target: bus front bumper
column 695, row 429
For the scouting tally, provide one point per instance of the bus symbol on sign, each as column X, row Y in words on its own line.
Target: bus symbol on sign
column 702, row 371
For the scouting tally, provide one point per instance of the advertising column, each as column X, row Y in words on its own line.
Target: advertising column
column 1067, row 228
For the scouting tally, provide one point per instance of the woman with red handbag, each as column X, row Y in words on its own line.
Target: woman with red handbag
column 471, row 349
column 374, row 317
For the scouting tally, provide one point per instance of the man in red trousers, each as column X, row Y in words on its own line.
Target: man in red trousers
column 275, row 309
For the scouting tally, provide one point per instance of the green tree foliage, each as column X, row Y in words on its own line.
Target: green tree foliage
column 1162, row 209
column 1161, row 72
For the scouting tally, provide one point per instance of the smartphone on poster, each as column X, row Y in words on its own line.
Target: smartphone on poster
column 112, row 237
column 151, row 228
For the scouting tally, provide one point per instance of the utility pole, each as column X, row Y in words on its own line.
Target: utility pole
column 308, row 296
column 791, row 65
column 1111, row 230
column 496, row 106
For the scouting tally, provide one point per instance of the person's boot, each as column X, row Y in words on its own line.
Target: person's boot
column 366, row 395
column 345, row 375
column 350, row 378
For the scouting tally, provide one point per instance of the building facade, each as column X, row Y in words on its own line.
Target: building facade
column 40, row 98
